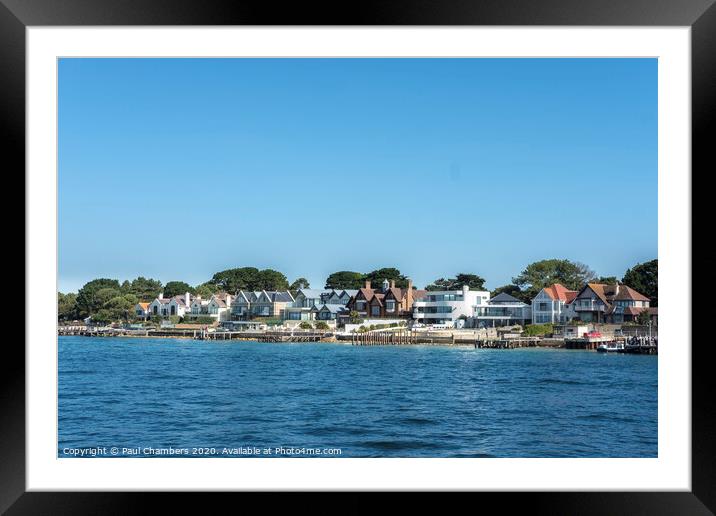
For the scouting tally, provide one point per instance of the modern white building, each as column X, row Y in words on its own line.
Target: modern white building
column 553, row 304
column 502, row 310
column 451, row 307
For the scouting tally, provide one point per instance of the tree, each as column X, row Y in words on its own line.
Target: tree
column 607, row 280
column 322, row 325
column 146, row 289
column 644, row 278
column 116, row 309
column 343, row 280
column 377, row 276
column 87, row 301
column 204, row 290
column 473, row 281
column 177, row 288
column 270, row 279
column 66, row 306
column 538, row 275
column 248, row 278
column 644, row 317
column 512, row 290
column 299, row 283
column 355, row 317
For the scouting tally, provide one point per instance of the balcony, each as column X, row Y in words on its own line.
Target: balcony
column 589, row 307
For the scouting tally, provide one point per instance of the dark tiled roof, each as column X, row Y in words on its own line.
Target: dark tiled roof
column 504, row 297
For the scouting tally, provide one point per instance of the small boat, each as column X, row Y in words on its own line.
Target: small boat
column 611, row 347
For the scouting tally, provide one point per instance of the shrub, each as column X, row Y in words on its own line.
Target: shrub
column 535, row 330
column 305, row 326
column 321, row 325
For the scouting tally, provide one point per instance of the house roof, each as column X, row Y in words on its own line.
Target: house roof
column 396, row 292
column 331, row 307
column 629, row 293
column 560, row 292
column 367, row 293
column 279, row 296
column 144, row 305
column 313, row 293
column 504, row 297
column 350, row 292
column 610, row 293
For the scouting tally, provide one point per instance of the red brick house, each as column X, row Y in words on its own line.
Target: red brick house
column 389, row 301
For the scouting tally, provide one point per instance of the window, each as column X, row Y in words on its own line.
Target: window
column 375, row 310
column 390, row 305
column 543, row 307
column 154, row 309
column 173, row 310
column 360, row 305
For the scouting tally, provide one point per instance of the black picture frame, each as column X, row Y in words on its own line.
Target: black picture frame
column 700, row 15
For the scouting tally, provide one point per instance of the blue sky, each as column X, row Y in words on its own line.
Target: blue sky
column 179, row 168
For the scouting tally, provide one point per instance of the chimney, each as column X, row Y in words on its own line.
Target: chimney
column 392, row 283
column 367, row 283
column 465, row 290
column 187, row 299
column 161, row 295
column 409, row 295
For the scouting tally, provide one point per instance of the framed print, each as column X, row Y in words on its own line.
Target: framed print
column 417, row 250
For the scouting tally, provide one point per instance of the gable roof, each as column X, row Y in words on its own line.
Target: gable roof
column 331, row 307
column 609, row 293
column 312, row 293
column 367, row 293
column 559, row 292
column 143, row 305
column 504, row 297
column 629, row 293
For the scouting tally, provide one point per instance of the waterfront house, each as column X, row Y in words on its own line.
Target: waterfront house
column 304, row 300
column 241, row 305
column 502, row 310
column 219, row 306
column 603, row 303
column 141, row 311
column 166, row 307
column 553, row 304
column 328, row 312
column 271, row 303
column 307, row 299
column 452, row 307
column 198, row 307
column 389, row 301
column 340, row 297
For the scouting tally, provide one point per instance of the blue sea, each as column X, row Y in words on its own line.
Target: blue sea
column 176, row 398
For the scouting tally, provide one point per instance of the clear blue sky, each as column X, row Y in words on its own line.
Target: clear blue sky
column 178, row 168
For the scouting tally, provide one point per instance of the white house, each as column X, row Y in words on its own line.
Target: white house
column 502, row 310
column 198, row 307
column 553, row 304
column 451, row 307
column 166, row 307
column 219, row 306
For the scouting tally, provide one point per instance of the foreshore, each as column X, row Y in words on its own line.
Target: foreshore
column 455, row 338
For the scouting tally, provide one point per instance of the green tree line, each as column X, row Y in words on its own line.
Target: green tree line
column 107, row 299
